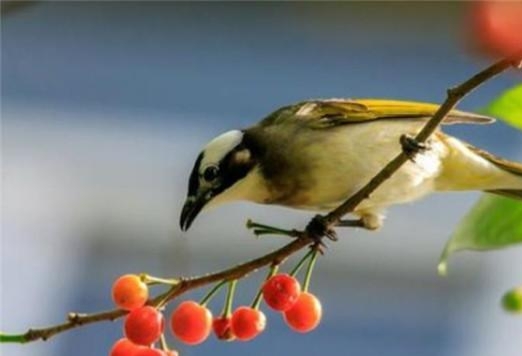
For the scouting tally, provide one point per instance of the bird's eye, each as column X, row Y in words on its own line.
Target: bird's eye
column 210, row 173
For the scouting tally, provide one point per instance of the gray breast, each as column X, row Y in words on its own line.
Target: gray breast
column 282, row 163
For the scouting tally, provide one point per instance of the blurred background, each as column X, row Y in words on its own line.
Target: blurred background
column 105, row 106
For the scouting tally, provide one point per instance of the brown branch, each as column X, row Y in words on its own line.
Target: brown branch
column 303, row 238
column 75, row 320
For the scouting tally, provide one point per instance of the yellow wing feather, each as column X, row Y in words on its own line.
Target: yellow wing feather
column 383, row 108
column 333, row 112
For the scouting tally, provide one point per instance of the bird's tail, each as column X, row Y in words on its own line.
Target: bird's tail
column 510, row 193
column 514, row 168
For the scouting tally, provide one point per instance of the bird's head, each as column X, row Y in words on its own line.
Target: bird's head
column 220, row 167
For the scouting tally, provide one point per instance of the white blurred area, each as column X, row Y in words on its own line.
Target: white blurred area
column 90, row 192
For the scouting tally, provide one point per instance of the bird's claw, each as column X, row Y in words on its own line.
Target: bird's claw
column 317, row 229
column 411, row 147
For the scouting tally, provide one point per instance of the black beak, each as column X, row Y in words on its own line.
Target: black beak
column 192, row 207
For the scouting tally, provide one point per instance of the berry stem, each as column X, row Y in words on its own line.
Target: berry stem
column 212, row 292
column 163, row 342
column 148, row 279
column 301, row 263
column 257, row 300
column 227, row 311
column 310, row 268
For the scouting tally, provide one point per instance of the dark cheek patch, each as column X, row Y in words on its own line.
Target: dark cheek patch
column 233, row 167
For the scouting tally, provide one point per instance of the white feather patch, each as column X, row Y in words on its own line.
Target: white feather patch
column 218, row 148
column 306, row 109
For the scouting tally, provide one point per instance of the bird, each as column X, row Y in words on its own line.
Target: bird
column 313, row 155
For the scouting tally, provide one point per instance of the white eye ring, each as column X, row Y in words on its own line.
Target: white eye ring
column 211, row 173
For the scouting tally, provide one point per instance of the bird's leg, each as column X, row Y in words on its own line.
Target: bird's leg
column 352, row 223
column 411, row 147
column 368, row 220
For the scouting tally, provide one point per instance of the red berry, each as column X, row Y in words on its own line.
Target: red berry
column 222, row 330
column 280, row 292
column 124, row 347
column 247, row 323
column 129, row 292
column 143, row 326
column 496, row 27
column 306, row 313
column 146, row 351
column 191, row 322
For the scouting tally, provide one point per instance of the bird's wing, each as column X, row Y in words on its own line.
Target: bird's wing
column 509, row 166
column 334, row 112
column 502, row 163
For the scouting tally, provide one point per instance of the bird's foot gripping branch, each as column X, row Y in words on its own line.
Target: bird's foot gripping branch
column 191, row 322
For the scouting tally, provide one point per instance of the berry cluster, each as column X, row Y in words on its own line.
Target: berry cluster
column 192, row 322
column 302, row 311
column 143, row 325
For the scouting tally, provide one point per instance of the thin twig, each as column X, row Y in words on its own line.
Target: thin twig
column 184, row 285
column 303, row 238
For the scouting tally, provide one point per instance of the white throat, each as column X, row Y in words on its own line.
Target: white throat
column 251, row 188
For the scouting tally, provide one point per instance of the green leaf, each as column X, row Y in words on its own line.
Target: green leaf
column 512, row 301
column 494, row 222
column 508, row 107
